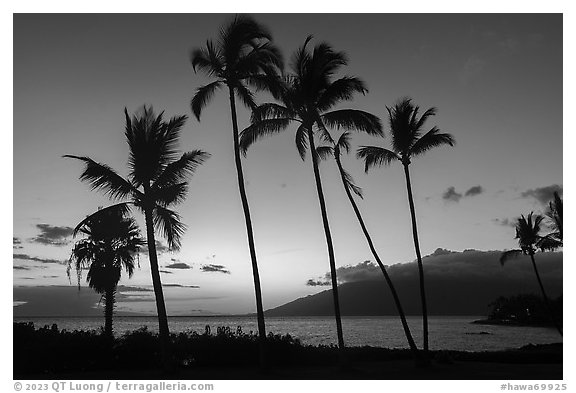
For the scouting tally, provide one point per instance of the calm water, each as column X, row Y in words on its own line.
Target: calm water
column 456, row 333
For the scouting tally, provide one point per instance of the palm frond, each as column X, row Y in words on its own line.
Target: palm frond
column 260, row 129
column 344, row 142
column 375, row 156
column 271, row 111
column 549, row 242
column 302, row 141
column 324, row 152
column 510, row 254
column 349, row 182
column 352, row 119
column 208, row 60
column 342, row 89
column 203, row 96
column 177, row 171
column 101, row 177
column 168, row 223
column 430, row 140
column 245, row 96
column 172, row 194
column 119, row 210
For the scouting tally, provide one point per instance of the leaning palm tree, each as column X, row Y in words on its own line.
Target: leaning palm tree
column 243, row 57
column 306, row 97
column 529, row 239
column 407, row 142
column 343, row 144
column 156, row 181
column 111, row 243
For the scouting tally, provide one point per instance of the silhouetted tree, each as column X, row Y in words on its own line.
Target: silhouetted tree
column 111, row 242
column 349, row 186
column 529, row 239
column 243, row 56
column 407, row 142
column 156, row 181
column 554, row 239
column 306, row 97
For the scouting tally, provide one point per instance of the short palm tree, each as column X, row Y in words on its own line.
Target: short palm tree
column 306, row 97
column 406, row 129
column 156, row 181
column 243, row 56
column 111, row 242
column 343, row 144
column 529, row 239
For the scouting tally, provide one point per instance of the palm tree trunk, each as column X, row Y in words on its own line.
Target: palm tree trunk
column 419, row 259
column 109, row 300
column 546, row 300
column 157, row 283
column 248, row 220
column 411, row 342
column 328, row 243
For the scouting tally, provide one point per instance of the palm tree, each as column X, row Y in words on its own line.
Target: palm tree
column 306, row 97
column 554, row 213
column 111, row 243
column 529, row 239
column 408, row 142
column 335, row 150
column 156, row 181
column 243, row 56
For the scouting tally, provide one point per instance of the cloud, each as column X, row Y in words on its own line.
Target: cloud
column 27, row 257
column 543, row 194
column 18, row 267
column 165, row 272
column 316, row 283
column 215, row 268
column 16, row 243
column 178, row 265
column 53, row 235
column 472, row 68
column 451, row 195
column 161, row 248
column 180, row 286
column 443, row 264
column 473, row 191
column 506, row 222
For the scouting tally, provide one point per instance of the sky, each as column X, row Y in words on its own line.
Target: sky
column 495, row 79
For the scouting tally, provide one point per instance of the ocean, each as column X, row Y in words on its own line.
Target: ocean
column 446, row 333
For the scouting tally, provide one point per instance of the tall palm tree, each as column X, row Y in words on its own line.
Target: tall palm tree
column 529, row 239
column 111, row 242
column 406, row 129
column 156, row 181
column 306, row 97
column 243, row 57
column 343, row 144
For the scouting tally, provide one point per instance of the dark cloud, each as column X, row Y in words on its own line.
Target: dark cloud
column 52, row 235
column 27, row 257
column 467, row 265
column 165, row 272
column 16, row 243
column 215, row 268
column 18, row 267
column 543, row 194
column 451, row 195
column 178, row 265
column 473, row 191
column 180, row 286
column 317, row 283
column 50, row 276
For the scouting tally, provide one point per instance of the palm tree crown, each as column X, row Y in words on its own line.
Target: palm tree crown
column 156, row 179
column 111, row 242
column 243, row 56
column 307, row 96
column 528, row 234
column 408, row 140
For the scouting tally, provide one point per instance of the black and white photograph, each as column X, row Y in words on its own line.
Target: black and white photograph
column 288, row 196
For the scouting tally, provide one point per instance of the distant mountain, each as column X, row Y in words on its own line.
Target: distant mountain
column 456, row 284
